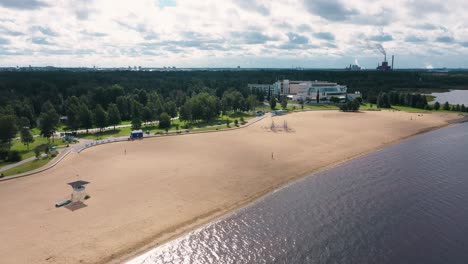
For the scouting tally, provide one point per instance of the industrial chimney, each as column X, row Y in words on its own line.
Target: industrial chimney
column 392, row 61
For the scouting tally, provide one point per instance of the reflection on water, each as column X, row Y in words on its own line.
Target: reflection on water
column 407, row 203
column 453, row 97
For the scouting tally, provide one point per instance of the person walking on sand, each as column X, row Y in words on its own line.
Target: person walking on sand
column 272, row 157
column 125, row 151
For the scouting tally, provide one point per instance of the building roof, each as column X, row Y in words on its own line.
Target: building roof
column 77, row 184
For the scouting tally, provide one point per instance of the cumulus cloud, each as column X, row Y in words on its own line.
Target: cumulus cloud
column 45, row 30
column 383, row 37
column 40, row 41
column 23, row 4
column 257, row 33
column 249, row 5
column 252, row 37
column 415, row 39
column 445, row 39
column 4, row 41
column 297, row 39
column 334, row 10
column 325, row 35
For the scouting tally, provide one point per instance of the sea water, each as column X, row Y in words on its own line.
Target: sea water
column 407, row 203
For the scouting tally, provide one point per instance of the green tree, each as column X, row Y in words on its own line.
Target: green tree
column 383, row 101
column 8, row 129
column 272, row 103
column 463, row 108
column 37, row 152
column 101, row 117
column 284, row 102
column 164, row 120
column 301, row 102
column 72, row 109
column 114, row 115
column 251, row 102
column 436, row 106
column 48, row 122
column 26, row 136
column 350, row 106
column 86, row 117
column 147, row 114
column 228, row 121
column 171, row 108
column 334, row 99
column 136, row 123
column 202, row 106
column 446, row 106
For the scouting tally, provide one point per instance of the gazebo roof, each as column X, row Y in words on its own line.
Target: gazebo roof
column 77, row 184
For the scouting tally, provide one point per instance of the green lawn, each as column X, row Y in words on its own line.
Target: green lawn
column 321, row 107
column 28, row 166
column 406, row 109
column 25, row 153
column 411, row 109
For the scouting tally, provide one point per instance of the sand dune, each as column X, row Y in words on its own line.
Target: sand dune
column 165, row 186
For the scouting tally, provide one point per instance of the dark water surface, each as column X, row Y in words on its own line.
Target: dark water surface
column 407, row 203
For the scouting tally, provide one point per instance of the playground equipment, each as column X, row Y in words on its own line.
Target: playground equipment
column 284, row 127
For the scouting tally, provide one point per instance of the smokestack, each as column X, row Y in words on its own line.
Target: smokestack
column 392, row 61
column 385, row 58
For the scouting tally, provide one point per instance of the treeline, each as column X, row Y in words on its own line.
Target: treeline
column 38, row 87
column 82, row 100
column 386, row 100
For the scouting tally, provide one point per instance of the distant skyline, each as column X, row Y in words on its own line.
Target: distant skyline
column 231, row 33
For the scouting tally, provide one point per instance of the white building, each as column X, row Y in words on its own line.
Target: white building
column 304, row 90
column 308, row 91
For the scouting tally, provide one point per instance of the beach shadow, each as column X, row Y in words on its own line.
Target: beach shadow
column 75, row 206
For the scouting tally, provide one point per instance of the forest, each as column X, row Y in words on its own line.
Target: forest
column 83, row 100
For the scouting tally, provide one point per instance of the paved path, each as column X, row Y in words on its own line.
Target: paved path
column 9, row 166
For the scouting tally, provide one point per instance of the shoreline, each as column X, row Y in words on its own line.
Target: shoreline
column 218, row 215
column 162, row 189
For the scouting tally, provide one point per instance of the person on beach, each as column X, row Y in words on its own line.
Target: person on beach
column 125, row 151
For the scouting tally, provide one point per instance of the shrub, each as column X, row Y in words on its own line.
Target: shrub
column 14, row 156
column 236, row 122
column 3, row 154
column 54, row 153
column 37, row 152
column 350, row 106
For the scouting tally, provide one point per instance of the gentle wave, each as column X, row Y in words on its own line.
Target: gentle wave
column 407, row 203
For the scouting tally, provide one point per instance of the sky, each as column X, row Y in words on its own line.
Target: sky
column 231, row 33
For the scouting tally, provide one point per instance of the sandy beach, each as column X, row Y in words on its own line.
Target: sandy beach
column 146, row 192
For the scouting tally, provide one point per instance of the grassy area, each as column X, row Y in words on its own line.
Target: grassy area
column 28, row 166
column 118, row 132
column 321, row 107
column 411, row 109
column 219, row 123
column 406, row 109
column 25, row 153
